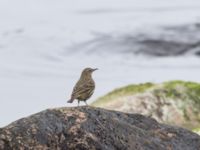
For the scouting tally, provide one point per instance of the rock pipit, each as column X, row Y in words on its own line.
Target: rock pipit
column 84, row 88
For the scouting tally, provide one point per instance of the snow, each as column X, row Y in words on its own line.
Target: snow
column 39, row 65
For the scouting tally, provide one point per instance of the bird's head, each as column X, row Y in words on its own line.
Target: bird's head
column 88, row 71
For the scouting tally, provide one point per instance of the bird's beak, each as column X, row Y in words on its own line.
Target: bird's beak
column 94, row 69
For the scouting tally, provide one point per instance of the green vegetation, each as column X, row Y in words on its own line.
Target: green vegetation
column 187, row 91
column 124, row 91
column 197, row 130
column 189, row 87
column 173, row 89
column 179, row 97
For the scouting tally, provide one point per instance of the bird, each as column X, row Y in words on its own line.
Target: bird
column 84, row 88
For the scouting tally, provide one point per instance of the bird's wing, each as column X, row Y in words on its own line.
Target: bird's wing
column 80, row 89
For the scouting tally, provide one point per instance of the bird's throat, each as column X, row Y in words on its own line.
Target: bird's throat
column 86, row 77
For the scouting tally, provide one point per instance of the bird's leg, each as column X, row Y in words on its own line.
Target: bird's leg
column 86, row 103
column 78, row 103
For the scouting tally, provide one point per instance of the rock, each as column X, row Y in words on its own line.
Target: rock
column 94, row 128
column 174, row 102
column 197, row 130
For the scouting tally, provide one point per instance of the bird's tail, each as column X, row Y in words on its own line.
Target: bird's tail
column 70, row 101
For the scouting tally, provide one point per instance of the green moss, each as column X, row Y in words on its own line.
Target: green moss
column 196, row 130
column 124, row 91
column 187, row 91
column 191, row 87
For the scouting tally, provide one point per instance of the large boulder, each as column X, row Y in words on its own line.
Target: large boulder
column 175, row 102
column 94, row 128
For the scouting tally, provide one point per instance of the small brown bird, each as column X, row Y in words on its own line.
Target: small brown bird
column 84, row 88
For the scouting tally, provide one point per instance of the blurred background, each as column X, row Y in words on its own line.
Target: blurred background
column 45, row 44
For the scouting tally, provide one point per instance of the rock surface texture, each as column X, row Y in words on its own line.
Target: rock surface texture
column 94, row 128
column 174, row 102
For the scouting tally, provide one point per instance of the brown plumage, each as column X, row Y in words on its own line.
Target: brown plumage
column 85, row 86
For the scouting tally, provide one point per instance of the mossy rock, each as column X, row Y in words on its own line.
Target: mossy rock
column 124, row 91
column 174, row 102
column 197, row 130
